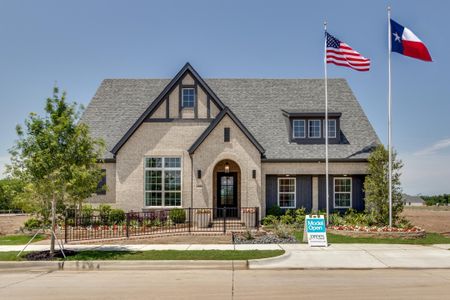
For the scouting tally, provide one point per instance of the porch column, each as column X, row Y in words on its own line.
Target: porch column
column 315, row 193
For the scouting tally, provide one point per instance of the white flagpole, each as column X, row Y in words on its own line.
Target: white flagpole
column 326, row 124
column 389, row 116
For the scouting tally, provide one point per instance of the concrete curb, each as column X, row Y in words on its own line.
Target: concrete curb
column 124, row 265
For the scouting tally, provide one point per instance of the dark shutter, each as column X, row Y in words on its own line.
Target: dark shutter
column 226, row 134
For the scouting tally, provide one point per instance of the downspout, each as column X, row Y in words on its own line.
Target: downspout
column 192, row 179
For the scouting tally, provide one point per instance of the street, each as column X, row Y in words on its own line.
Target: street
column 225, row 284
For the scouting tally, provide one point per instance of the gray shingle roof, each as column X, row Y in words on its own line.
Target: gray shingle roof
column 258, row 103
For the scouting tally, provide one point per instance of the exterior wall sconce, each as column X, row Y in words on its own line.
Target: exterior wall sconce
column 254, row 174
column 199, row 174
column 227, row 168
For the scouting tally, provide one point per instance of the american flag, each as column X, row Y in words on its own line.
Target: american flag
column 341, row 54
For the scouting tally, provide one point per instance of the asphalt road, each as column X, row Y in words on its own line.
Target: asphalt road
column 225, row 284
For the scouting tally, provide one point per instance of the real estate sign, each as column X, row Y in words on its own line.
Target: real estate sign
column 316, row 231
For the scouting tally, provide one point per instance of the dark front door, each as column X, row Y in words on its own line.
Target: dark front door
column 227, row 194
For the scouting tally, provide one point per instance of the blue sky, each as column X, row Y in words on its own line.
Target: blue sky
column 80, row 43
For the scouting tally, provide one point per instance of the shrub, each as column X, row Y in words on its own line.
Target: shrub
column 116, row 216
column 299, row 216
column 283, row 231
column 104, row 211
column 275, row 211
column 32, row 223
column 287, row 219
column 269, row 220
column 336, row 219
column 177, row 216
column 248, row 235
column 87, row 213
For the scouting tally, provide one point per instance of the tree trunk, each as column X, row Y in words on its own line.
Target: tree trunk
column 52, row 239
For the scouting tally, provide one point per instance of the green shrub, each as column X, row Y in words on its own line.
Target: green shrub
column 336, row 219
column 269, row 220
column 275, row 211
column 290, row 212
column 32, row 223
column 104, row 211
column 283, row 231
column 116, row 216
column 300, row 214
column 87, row 212
column 177, row 216
column 287, row 219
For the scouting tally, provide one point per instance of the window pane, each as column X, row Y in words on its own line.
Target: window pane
column 172, row 198
column 153, row 162
column 314, row 128
column 287, row 185
column 153, row 198
column 153, row 180
column 287, row 200
column 298, row 128
column 172, row 181
column 188, row 97
column 331, row 128
column 342, row 199
column 172, row 162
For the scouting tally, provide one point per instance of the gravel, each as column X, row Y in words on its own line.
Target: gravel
column 263, row 239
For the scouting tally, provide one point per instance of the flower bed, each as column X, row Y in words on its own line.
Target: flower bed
column 377, row 232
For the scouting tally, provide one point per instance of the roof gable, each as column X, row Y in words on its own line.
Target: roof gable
column 187, row 69
column 225, row 112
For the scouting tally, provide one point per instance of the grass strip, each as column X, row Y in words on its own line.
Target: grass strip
column 19, row 239
column 159, row 255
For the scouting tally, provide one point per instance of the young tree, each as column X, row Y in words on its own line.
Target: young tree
column 56, row 157
column 376, row 186
column 9, row 189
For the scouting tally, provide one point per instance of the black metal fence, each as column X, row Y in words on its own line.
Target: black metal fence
column 160, row 221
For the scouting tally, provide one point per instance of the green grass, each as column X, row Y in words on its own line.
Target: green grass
column 19, row 239
column 429, row 239
column 160, row 255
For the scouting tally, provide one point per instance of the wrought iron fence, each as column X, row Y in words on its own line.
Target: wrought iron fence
column 160, row 221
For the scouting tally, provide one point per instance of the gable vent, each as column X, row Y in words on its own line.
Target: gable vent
column 226, row 134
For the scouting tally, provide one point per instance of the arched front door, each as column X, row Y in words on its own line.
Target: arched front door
column 227, row 189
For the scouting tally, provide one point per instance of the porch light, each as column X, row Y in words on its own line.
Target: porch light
column 227, row 168
column 199, row 174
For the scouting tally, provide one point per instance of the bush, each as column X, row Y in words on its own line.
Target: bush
column 336, row 219
column 87, row 212
column 283, row 231
column 177, row 216
column 275, row 211
column 299, row 216
column 269, row 220
column 104, row 211
column 287, row 219
column 32, row 223
column 116, row 216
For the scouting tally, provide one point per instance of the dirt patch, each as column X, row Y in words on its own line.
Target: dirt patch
column 430, row 219
column 170, row 239
column 45, row 255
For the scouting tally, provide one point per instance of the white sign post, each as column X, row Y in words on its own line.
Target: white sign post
column 315, row 231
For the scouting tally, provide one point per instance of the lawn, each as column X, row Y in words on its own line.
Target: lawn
column 160, row 255
column 429, row 239
column 19, row 239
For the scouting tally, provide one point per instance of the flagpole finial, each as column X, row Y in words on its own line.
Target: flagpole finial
column 325, row 25
column 389, row 8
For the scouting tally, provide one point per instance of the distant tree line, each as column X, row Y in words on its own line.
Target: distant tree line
column 443, row 199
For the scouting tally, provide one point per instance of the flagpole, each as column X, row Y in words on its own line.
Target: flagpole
column 326, row 124
column 389, row 115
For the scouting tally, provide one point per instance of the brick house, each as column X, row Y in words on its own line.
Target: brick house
column 212, row 143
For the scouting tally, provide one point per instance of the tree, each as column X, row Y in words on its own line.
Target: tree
column 56, row 157
column 9, row 189
column 376, row 186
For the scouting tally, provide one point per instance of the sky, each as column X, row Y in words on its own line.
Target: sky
column 77, row 44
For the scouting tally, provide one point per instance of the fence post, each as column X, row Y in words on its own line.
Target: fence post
column 224, row 212
column 65, row 229
column 128, row 225
column 190, row 219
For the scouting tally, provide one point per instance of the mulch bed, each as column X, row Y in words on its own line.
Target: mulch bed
column 45, row 255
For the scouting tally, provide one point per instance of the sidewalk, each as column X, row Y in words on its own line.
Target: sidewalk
column 301, row 256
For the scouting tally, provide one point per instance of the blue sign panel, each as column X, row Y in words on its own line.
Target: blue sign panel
column 315, row 225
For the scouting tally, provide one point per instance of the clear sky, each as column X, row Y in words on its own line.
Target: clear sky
column 80, row 43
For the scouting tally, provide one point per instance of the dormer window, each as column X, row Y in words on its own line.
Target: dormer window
column 298, row 129
column 331, row 129
column 188, row 97
column 314, row 129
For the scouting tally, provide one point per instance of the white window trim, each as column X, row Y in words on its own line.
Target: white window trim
column 195, row 98
column 320, row 129
column 334, row 192
column 162, row 169
column 304, row 129
column 335, row 129
column 295, row 192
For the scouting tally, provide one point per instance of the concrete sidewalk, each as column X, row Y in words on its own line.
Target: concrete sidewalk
column 301, row 256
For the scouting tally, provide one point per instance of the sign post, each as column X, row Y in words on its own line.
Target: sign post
column 315, row 231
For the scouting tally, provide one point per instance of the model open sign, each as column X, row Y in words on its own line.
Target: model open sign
column 316, row 231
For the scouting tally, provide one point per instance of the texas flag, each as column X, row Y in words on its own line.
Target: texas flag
column 405, row 42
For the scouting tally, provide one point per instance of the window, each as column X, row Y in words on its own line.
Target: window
column 342, row 192
column 331, row 129
column 298, row 129
column 162, row 181
column 286, row 192
column 188, row 97
column 226, row 134
column 314, row 129
column 101, row 186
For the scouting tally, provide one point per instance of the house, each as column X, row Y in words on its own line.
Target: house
column 236, row 143
column 409, row 200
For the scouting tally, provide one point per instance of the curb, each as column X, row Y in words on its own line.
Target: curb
column 130, row 265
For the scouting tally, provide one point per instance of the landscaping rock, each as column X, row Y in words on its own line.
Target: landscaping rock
column 263, row 239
